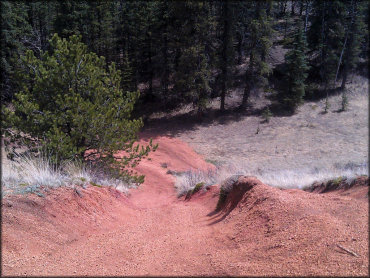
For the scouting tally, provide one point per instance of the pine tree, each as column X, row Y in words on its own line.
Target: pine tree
column 326, row 37
column 126, row 83
column 259, row 33
column 71, row 103
column 297, row 72
column 194, row 70
column 14, row 30
column 356, row 30
column 227, row 53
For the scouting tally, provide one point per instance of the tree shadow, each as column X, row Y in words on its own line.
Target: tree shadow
column 320, row 94
column 173, row 125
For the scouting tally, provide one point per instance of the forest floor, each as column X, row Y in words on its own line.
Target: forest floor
column 304, row 142
column 261, row 230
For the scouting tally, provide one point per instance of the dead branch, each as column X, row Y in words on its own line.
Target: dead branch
column 348, row 251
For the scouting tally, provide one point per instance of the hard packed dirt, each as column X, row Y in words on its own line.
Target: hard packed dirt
column 259, row 230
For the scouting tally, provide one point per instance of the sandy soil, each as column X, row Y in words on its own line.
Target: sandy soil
column 260, row 231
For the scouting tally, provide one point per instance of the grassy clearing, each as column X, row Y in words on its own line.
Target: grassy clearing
column 28, row 174
column 292, row 178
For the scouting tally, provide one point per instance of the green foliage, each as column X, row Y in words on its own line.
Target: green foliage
column 337, row 181
column 198, row 187
column 297, row 72
column 14, row 27
column 191, row 47
column 95, row 184
column 71, row 103
column 267, row 114
column 259, row 35
column 193, row 73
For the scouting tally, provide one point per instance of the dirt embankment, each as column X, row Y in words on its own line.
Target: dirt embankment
column 260, row 230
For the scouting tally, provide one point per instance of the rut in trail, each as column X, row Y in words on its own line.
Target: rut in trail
column 260, row 230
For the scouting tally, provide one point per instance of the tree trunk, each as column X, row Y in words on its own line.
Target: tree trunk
column 246, row 95
column 300, row 8
column 240, row 48
column 306, row 17
column 345, row 74
column 166, row 70
column 150, row 66
column 340, row 58
column 292, row 10
column 247, row 89
column 349, row 52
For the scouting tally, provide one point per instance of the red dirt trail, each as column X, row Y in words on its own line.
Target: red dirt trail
column 260, row 230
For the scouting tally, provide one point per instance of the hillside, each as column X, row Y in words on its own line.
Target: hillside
column 259, row 231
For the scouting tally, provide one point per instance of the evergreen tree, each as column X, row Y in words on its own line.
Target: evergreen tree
column 297, row 72
column 194, row 71
column 259, row 33
column 355, row 36
column 127, row 84
column 227, row 49
column 14, row 30
column 71, row 103
column 41, row 16
column 326, row 37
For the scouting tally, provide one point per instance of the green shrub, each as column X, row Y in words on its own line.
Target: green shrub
column 71, row 103
column 266, row 115
column 337, row 181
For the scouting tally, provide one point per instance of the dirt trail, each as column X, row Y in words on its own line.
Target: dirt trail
column 260, row 231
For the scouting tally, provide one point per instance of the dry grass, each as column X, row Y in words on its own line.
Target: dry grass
column 289, row 151
column 292, row 178
column 306, row 140
column 27, row 174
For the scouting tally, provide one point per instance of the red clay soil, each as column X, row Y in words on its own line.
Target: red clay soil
column 260, row 230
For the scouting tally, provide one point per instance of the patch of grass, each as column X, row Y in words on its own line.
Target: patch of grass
column 95, row 184
column 189, row 181
column 197, row 187
column 214, row 162
column 337, row 181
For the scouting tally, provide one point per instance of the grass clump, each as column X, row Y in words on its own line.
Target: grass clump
column 198, row 187
column 95, row 184
column 337, row 181
column 33, row 174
